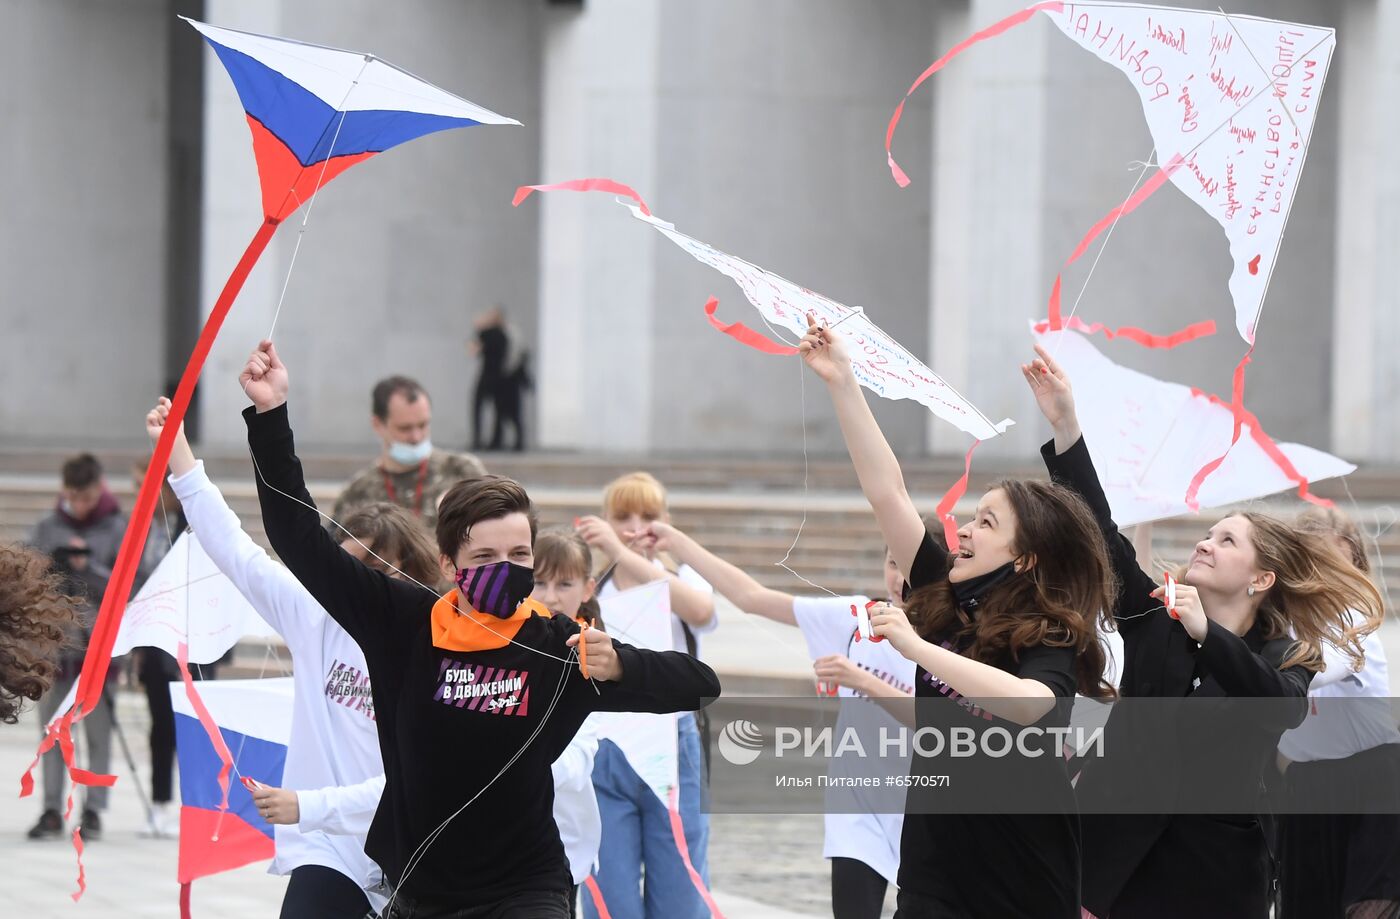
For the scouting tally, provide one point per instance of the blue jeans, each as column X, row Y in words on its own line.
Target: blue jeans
column 637, row 836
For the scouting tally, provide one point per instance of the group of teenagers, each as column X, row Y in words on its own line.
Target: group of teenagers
column 414, row 799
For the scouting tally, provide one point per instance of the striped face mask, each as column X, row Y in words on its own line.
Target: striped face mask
column 496, row 589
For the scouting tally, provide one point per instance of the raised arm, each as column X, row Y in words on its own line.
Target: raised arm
column 741, row 589
column 1069, row 463
column 365, row 602
column 631, row 569
column 268, row 587
column 880, row 477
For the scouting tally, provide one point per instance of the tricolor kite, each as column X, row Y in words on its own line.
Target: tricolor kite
column 314, row 112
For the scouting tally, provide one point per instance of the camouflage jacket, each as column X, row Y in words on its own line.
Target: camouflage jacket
column 373, row 484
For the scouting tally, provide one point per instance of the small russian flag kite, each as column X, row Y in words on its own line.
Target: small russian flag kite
column 316, row 111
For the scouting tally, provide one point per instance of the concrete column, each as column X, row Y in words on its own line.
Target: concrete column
column 83, row 230
column 1366, row 306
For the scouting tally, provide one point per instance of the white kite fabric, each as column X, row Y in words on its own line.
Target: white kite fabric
column 641, row 617
column 1148, row 436
column 880, row 363
column 1230, row 101
column 186, row 599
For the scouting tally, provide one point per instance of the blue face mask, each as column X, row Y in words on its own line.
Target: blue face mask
column 410, row 454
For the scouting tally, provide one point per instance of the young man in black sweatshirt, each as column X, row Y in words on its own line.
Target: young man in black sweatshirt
column 476, row 693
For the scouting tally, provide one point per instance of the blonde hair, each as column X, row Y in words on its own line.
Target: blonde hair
column 1332, row 522
column 1315, row 593
column 634, row 493
column 638, row 493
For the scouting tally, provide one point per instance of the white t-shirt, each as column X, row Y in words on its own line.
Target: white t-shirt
column 829, row 628
column 1347, row 712
column 689, row 577
column 334, row 740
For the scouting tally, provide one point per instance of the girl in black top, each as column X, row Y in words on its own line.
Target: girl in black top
column 477, row 693
column 1253, row 608
column 1005, row 627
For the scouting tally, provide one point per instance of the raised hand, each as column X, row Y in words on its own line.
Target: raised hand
column 264, row 378
column 1053, row 394
column 1188, row 609
column 825, row 352
column 181, row 457
column 600, row 536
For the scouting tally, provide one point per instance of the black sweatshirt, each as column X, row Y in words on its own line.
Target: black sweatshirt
column 1227, row 756
column 444, row 749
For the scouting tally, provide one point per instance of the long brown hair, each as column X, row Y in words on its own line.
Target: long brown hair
column 1063, row 590
column 1330, row 521
column 1315, row 592
column 35, row 618
column 390, row 531
column 562, row 553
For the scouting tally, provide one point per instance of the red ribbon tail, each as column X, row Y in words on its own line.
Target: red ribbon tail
column 1132, row 333
column 594, row 184
column 97, row 661
column 991, row 31
column 745, row 335
column 206, row 720
column 1236, row 409
column 1144, row 191
column 591, row 884
column 950, row 499
column 678, row 833
column 78, row 846
column 185, row 900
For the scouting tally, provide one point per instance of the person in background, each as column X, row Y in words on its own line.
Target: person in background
column 637, row 834
column 155, row 669
column 82, row 536
column 409, row 472
column 863, row 847
column 501, row 380
column 1342, row 859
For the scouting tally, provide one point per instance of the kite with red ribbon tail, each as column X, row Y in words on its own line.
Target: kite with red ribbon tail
column 314, row 112
column 1230, row 101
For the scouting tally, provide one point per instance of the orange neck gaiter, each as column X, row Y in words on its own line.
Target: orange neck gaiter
column 458, row 627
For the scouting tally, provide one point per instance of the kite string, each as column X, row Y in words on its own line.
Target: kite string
column 1374, row 540
column 1146, row 165
column 306, row 218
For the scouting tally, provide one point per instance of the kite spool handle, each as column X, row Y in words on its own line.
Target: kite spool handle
column 1169, row 595
column 583, row 626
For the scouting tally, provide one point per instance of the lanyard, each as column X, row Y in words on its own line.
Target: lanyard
column 417, row 489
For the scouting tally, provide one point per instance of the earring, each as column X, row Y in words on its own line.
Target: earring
column 1250, row 591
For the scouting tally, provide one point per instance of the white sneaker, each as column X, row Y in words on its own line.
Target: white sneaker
column 163, row 822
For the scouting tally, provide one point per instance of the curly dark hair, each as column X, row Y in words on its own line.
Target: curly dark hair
column 35, row 618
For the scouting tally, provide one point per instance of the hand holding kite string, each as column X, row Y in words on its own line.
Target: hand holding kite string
column 277, row 805
column 838, row 669
column 264, row 378
column 1187, row 607
column 600, row 536
column 1054, row 396
column 596, row 647
column 892, row 624
column 825, row 352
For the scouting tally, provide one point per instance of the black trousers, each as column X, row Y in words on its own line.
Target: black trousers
column 857, row 890
column 317, row 892
column 530, row 904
